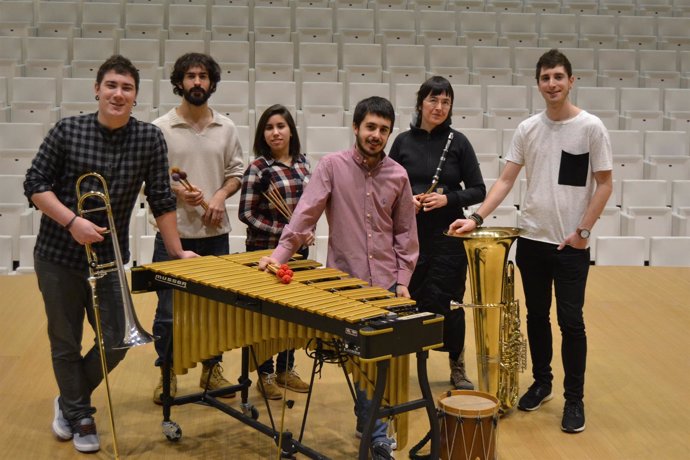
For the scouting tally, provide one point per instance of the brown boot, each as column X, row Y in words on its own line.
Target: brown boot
column 158, row 391
column 291, row 381
column 216, row 380
column 268, row 387
column 458, row 377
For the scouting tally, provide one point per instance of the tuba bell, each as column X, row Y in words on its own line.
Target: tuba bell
column 500, row 346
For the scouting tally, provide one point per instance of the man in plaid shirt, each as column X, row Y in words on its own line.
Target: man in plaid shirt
column 127, row 153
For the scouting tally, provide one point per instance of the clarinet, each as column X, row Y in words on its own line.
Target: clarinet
column 439, row 168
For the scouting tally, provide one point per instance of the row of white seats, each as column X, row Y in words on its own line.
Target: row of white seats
column 45, row 100
column 318, row 23
column 329, row 62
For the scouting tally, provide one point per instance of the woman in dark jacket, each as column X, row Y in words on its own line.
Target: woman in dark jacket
column 440, row 197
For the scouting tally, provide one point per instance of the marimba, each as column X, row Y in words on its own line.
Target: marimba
column 223, row 303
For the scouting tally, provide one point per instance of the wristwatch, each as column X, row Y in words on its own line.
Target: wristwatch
column 583, row 232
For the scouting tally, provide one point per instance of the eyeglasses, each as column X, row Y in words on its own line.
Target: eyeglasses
column 434, row 101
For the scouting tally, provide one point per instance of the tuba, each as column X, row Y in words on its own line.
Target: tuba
column 134, row 333
column 501, row 349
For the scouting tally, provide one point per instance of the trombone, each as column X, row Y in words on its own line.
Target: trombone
column 134, row 333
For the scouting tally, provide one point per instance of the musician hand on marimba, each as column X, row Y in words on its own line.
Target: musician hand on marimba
column 433, row 200
column 311, row 239
column 402, row 291
column 460, row 226
column 265, row 261
column 282, row 272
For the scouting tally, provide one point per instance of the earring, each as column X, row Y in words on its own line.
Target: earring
column 98, row 98
column 134, row 104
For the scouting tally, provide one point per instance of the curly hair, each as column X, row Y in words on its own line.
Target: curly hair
column 189, row 60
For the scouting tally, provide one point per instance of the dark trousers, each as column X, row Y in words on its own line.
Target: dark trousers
column 542, row 267
column 438, row 278
column 162, row 322
column 67, row 297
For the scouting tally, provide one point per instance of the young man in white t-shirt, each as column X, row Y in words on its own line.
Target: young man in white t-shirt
column 566, row 153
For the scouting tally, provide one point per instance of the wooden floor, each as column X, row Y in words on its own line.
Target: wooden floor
column 636, row 395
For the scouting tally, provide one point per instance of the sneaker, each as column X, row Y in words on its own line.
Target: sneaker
column 291, row 381
column 573, row 417
column 535, row 396
column 216, row 381
column 158, row 391
column 392, row 441
column 268, row 387
column 85, row 436
column 381, row 451
column 61, row 426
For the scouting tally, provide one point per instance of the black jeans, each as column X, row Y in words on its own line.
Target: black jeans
column 541, row 267
column 438, row 278
column 67, row 296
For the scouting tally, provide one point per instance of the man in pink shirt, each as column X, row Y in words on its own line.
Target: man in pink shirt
column 371, row 220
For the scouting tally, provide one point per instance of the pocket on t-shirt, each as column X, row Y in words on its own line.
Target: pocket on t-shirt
column 573, row 169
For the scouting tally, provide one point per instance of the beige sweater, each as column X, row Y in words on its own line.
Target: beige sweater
column 209, row 158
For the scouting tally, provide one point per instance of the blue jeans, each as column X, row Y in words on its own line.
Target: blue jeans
column 67, row 297
column 542, row 267
column 162, row 322
column 362, row 408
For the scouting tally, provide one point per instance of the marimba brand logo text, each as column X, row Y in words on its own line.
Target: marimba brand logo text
column 171, row 281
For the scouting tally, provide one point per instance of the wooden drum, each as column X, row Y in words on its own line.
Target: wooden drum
column 469, row 425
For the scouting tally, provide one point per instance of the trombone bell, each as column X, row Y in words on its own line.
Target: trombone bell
column 134, row 333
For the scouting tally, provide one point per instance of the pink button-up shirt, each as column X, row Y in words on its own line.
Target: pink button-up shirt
column 372, row 230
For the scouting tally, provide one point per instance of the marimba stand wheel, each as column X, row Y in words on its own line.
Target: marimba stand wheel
column 172, row 431
column 251, row 410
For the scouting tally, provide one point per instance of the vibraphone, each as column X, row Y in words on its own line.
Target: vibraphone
column 223, row 303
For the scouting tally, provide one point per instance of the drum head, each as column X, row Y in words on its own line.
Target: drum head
column 468, row 403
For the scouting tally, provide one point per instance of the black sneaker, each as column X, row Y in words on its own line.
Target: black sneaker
column 573, row 417
column 536, row 395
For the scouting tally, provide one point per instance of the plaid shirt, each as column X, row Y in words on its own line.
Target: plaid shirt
column 265, row 223
column 126, row 158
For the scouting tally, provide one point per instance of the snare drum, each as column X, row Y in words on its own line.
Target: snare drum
column 469, row 425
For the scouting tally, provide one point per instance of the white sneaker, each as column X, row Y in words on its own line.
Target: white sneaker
column 86, row 436
column 61, row 426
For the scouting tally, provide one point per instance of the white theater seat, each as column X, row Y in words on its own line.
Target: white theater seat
column 450, row 62
column 230, row 22
column 621, row 250
column 274, row 61
column 404, row 63
column 322, row 103
column 477, row 28
column 669, row 251
column 355, row 25
column 233, row 57
column 640, row 109
column 318, row 62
